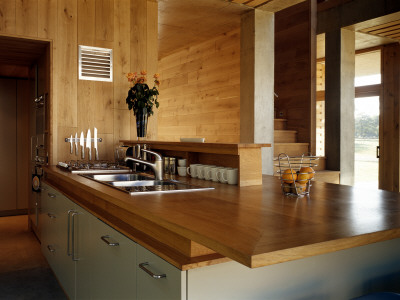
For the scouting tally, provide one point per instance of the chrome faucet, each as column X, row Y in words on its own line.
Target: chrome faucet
column 156, row 166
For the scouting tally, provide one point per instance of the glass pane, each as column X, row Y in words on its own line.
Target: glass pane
column 366, row 140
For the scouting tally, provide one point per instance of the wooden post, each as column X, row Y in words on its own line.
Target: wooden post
column 257, row 82
column 389, row 165
column 339, row 103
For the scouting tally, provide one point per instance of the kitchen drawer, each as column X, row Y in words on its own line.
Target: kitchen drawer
column 172, row 286
column 50, row 217
column 112, row 261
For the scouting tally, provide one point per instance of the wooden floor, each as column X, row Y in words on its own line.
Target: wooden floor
column 24, row 272
column 19, row 248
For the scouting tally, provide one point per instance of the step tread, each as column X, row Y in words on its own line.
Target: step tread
column 321, row 157
column 291, row 144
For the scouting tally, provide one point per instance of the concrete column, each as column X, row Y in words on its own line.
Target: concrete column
column 339, row 103
column 257, row 82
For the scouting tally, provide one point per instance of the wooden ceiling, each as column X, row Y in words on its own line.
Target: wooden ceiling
column 185, row 22
column 268, row 5
column 388, row 30
column 370, row 33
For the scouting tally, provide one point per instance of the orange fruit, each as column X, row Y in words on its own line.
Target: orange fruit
column 289, row 175
column 301, row 188
column 287, row 187
column 305, row 174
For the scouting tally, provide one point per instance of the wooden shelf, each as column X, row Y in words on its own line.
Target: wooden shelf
column 245, row 157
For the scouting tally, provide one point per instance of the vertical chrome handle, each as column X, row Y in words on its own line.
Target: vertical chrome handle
column 69, row 253
column 105, row 239
column 155, row 276
column 51, row 249
column 51, row 195
column 378, row 154
column 74, row 258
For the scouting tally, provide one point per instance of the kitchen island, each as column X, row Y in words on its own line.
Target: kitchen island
column 339, row 238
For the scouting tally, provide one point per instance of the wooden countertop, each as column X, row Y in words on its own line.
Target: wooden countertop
column 255, row 225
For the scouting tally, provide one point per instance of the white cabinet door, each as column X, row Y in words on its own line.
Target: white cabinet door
column 65, row 266
column 82, row 221
column 158, row 279
column 113, row 258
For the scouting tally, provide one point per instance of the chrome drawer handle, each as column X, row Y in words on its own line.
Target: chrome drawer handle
column 51, row 249
column 74, row 257
column 155, row 276
column 105, row 239
column 52, row 216
column 51, row 195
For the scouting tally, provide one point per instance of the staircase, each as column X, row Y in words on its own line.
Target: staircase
column 285, row 141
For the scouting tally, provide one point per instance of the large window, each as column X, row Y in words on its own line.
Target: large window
column 366, row 116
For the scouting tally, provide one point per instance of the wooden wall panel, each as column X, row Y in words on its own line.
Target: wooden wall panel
column 200, row 91
column 66, row 74
column 7, row 16
column 151, row 64
column 389, row 164
column 47, row 19
column 320, row 77
column 26, row 17
column 295, row 69
column 122, row 128
column 77, row 105
column 105, row 20
column 87, row 22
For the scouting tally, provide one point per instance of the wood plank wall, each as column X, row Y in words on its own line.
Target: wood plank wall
column 389, row 164
column 129, row 27
column 295, row 69
column 200, row 91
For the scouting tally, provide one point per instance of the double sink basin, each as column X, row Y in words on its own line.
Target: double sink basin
column 134, row 183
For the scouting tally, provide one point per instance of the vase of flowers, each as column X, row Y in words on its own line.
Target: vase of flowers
column 141, row 99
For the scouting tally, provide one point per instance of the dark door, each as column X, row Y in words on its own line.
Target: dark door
column 8, row 144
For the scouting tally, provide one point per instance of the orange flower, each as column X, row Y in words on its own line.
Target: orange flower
column 143, row 72
column 141, row 80
column 131, row 76
column 157, row 75
column 157, row 82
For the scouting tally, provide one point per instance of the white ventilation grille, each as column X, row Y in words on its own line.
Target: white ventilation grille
column 95, row 63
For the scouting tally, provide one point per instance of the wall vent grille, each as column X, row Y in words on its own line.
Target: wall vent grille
column 95, row 63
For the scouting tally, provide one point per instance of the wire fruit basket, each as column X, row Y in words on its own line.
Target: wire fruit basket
column 296, row 173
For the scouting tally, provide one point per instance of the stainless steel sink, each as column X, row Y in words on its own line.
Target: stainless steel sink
column 141, row 183
column 118, row 177
column 138, row 184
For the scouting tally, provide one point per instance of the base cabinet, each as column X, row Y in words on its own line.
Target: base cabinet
column 66, row 227
column 94, row 261
column 90, row 259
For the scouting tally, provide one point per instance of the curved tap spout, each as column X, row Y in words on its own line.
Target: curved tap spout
column 156, row 166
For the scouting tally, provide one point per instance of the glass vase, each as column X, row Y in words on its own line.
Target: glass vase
column 141, row 123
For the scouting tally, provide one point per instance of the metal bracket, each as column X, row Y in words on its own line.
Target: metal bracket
column 77, row 140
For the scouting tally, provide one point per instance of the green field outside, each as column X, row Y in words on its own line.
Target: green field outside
column 366, row 164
